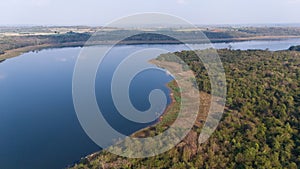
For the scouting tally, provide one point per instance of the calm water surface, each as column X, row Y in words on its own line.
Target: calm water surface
column 38, row 124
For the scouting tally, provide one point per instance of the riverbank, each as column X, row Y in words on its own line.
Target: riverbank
column 19, row 51
column 24, row 49
column 166, row 119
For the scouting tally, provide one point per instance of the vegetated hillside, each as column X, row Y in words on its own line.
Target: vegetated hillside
column 260, row 126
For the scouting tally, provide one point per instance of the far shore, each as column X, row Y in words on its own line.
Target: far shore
column 18, row 51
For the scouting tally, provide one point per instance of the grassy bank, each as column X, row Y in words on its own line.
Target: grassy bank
column 167, row 118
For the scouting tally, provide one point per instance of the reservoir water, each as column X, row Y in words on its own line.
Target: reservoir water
column 38, row 123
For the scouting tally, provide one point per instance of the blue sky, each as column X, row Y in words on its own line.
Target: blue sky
column 100, row 12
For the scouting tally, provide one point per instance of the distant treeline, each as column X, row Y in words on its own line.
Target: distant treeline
column 295, row 48
column 136, row 36
column 67, row 37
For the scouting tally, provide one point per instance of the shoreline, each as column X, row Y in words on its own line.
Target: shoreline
column 19, row 51
column 11, row 53
column 137, row 133
column 172, row 98
column 161, row 124
column 91, row 156
column 172, row 103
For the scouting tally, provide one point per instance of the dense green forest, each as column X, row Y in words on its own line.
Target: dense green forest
column 260, row 126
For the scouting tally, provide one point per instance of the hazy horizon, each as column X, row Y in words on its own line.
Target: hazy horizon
column 99, row 13
column 198, row 25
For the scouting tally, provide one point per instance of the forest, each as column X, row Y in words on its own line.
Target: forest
column 259, row 128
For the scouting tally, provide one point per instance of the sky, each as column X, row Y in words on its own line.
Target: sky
column 100, row 12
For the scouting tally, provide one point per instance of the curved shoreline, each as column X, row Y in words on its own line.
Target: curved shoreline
column 136, row 133
column 172, row 103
